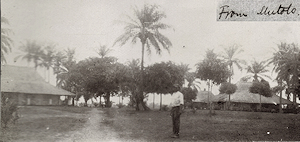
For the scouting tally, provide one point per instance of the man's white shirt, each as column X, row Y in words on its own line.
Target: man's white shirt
column 176, row 99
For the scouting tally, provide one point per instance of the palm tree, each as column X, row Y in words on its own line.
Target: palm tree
column 6, row 41
column 287, row 65
column 103, row 51
column 32, row 52
column 190, row 77
column 257, row 70
column 145, row 26
column 48, row 59
column 230, row 58
column 67, row 61
column 58, row 60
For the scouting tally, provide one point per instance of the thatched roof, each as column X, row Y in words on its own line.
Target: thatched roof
column 242, row 94
column 27, row 80
column 202, row 96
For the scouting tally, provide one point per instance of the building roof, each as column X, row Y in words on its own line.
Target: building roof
column 27, row 80
column 242, row 94
column 202, row 96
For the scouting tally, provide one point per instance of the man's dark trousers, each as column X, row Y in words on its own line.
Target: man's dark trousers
column 175, row 113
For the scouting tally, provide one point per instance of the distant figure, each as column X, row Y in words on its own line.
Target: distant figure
column 177, row 107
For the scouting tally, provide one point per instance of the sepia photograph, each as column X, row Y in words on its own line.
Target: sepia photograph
column 150, row 70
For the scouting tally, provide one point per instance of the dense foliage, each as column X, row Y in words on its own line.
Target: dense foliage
column 227, row 88
column 262, row 88
column 212, row 68
column 6, row 42
column 189, row 94
column 163, row 78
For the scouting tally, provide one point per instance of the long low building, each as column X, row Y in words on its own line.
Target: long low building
column 243, row 99
column 26, row 87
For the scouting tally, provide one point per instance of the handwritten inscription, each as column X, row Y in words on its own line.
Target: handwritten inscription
column 226, row 12
column 229, row 13
column 280, row 10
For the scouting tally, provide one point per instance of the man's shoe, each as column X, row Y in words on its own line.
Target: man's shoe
column 175, row 136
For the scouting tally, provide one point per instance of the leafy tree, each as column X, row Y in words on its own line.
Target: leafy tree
column 257, row 70
column 99, row 76
column 6, row 42
column 229, row 56
column 227, row 88
column 163, row 78
column 212, row 69
column 130, row 83
column 261, row 88
column 31, row 52
column 146, row 26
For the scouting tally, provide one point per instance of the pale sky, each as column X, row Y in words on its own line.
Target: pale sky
column 84, row 24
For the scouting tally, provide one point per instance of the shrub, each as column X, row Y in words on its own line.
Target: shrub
column 164, row 108
column 120, row 105
column 8, row 112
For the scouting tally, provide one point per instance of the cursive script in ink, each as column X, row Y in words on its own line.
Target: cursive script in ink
column 279, row 11
column 229, row 13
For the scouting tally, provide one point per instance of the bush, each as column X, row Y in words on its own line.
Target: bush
column 120, row 105
column 164, row 108
column 8, row 112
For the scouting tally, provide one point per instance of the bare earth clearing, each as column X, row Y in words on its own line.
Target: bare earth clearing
column 94, row 130
column 58, row 124
column 74, row 124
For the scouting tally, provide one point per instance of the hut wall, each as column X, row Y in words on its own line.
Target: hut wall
column 32, row 99
column 200, row 105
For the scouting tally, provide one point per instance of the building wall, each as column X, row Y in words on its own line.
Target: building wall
column 33, row 99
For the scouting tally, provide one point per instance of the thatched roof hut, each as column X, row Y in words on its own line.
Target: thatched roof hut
column 26, row 80
column 202, row 96
column 242, row 95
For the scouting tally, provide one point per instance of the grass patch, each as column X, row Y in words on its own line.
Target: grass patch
column 223, row 126
column 42, row 123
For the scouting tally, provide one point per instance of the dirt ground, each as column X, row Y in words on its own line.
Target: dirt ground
column 94, row 130
column 62, row 124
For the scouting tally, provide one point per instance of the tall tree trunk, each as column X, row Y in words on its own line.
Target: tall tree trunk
column 153, row 100
column 85, row 102
column 48, row 75
column 141, row 91
column 160, row 104
column 280, row 103
column 45, row 74
column 73, row 101
column 231, row 73
column 259, row 102
column 137, row 103
column 209, row 104
column 229, row 102
column 295, row 105
column 100, row 102
column 107, row 100
column 0, row 112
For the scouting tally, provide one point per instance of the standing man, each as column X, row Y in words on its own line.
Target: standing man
column 177, row 107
